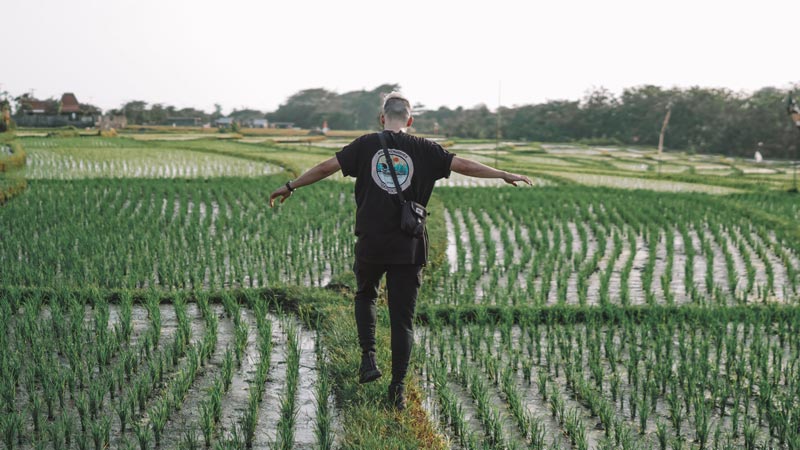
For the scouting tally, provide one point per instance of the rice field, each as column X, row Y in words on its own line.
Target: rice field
column 161, row 373
column 88, row 158
column 697, row 380
column 621, row 182
column 152, row 300
column 172, row 234
column 568, row 246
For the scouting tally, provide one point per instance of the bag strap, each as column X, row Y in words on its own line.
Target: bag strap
column 398, row 189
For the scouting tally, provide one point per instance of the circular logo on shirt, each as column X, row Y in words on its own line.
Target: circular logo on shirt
column 382, row 175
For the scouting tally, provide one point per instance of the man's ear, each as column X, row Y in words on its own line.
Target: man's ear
column 383, row 119
column 410, row 121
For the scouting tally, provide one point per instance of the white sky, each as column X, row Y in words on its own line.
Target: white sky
column 243, row 53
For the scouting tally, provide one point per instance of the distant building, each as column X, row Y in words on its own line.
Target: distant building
column 108, row 121
column 281, row 125
column 51, row 113
column 183, row 121
column 260, row 123
column 224, row 122
column 70, row 105
column 35, row 107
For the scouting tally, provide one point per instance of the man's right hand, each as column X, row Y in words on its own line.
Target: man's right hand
column 282, row 192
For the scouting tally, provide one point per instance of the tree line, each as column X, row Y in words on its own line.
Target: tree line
column 703, row 120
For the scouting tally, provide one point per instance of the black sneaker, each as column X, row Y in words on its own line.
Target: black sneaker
column 397, row 396
column 369, row 370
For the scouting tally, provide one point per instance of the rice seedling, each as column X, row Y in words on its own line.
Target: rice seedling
column 207, row 423
column 100, row 431
column 143, row 435
column 67, row 424
column 158, row 419
column 240, row 342
column 750, row 431
column 322, row 426
column 227, row 370
column 55, row 436
column 83, row 440
column 190, row 441
column 36, row 415
column 12, row 427
column 123, row 409
column 288, row 407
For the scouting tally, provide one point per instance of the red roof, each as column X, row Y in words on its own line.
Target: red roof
column 36, row 105
column 69, row 103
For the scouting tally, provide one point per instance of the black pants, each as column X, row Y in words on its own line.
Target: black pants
column 402, row 283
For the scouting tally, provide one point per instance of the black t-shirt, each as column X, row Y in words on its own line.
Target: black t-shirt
column 418, row 163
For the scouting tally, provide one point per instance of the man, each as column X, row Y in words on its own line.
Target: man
column 381, row 247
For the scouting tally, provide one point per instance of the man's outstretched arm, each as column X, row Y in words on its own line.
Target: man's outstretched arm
column 472, row 168
column 312, row 175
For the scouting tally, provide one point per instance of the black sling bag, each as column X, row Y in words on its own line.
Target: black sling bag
column 412, row 214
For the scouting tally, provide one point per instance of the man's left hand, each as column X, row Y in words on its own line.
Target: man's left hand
column 513, row 179
column 280, row 192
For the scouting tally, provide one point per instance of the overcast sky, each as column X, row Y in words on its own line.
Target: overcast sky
column 243, row 53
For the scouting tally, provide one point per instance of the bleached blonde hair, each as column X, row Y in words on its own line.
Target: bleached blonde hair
column 395, row 106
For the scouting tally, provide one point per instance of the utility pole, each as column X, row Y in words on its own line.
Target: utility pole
column 661, row 135
column 794, row 112
column 664, row 129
